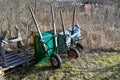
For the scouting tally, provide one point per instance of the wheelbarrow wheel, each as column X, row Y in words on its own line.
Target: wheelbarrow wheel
column 55, row 61
column 73, row 53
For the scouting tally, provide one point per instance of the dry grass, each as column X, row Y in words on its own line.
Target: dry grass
column 101, row 25
column 90, row 67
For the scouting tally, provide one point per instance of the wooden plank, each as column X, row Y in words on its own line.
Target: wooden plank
column 17, row 58
column 14, row 65
column 20, row 55
column 27, row 49
column 29, row 52
column 31, row 60
column 29, row 57
column 0, row 58
column 2, row 51
column 11, row 56
column 15, row 61
column 23, row 57
column 0, row 62
column 10, row 52
column 14, row 40
column 19, row 63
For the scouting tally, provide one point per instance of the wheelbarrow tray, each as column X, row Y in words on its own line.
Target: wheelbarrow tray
column 61, row 37
column 44, row 47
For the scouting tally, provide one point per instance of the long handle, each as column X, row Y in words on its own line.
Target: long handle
column 63, row 27
column 54, row 27
column 72, row 42
column 35, row 21
column 73, row 21
column 36, row 25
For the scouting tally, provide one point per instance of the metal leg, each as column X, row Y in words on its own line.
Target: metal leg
column 2, row 52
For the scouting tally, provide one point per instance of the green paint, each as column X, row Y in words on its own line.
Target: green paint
column 45, row 47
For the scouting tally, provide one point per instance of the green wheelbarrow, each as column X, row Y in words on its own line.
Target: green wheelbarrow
column 45, row 49
column 45, row 45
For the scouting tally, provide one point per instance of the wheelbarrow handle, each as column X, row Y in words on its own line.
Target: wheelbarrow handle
column 35, row 21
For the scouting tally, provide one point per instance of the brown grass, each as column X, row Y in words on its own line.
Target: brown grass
column 101, row 24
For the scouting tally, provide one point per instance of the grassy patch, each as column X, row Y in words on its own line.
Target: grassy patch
column 94, row 66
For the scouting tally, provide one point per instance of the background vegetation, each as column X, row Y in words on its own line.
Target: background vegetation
column 102, row 25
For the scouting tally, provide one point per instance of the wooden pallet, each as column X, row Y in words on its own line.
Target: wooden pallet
column 14, row 59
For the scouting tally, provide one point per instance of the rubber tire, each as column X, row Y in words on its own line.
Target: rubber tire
column 76, row 53
column 58, row 60
column 79, row 46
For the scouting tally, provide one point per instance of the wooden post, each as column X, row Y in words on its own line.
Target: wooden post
column 36, row 25
column 2, row 52
column 35, row 21
column 19, row 43
column 63, row 28
column 53, row 24
column 35, row 6
column 72, row 42
column 73, row 21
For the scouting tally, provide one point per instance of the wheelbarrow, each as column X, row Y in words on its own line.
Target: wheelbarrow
column 45, row 49
column 66, row 39
column 45, row 46
column 69, row 40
